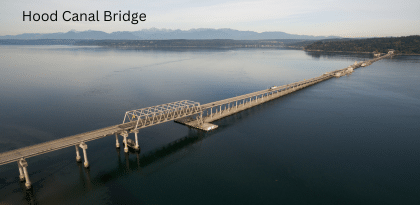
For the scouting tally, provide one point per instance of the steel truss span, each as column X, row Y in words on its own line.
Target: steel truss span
column 149, row 116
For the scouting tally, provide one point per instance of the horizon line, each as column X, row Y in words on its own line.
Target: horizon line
column 194, row 29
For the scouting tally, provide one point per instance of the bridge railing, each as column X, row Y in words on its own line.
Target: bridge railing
column 218, row 107
column 223, row 106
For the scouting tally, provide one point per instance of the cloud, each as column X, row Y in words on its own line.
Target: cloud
column 310, row 17
column 248, row 11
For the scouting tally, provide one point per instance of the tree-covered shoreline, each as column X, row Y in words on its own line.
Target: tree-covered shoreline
column 408, row 45
column 174, row 43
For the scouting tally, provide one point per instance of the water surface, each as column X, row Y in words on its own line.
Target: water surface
column 348, row 140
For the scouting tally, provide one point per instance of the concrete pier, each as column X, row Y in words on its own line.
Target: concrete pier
column 24, row 164
column 125, row 135
column 78, row 158
column 137, row 140
column 84, row 147
column 21, row 174
column 117, row 143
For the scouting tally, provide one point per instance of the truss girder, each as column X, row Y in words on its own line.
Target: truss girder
column 162, row 113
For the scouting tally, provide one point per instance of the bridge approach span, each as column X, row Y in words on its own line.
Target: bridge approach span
column 143, row 118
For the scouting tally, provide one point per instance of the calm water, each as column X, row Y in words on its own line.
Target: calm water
column 351, row 140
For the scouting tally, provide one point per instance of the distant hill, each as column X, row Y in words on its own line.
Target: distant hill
column 166, row 34
column 39, row 41
column 200, row 43
column 174, row 43
column 401, row 45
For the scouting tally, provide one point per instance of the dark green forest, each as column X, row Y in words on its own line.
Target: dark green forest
column 181, row 43
column 401, row 45
column 176, row 43
column 217, row 43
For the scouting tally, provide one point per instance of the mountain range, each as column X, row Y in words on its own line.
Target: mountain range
column 163, row 34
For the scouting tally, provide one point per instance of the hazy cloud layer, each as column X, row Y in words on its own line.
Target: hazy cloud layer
column 323, row 17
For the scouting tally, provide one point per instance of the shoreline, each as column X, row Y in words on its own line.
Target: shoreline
column 413, row 54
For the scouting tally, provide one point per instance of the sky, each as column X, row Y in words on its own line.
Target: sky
column 345, row 18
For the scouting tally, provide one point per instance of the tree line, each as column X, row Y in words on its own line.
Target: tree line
column 401, row 45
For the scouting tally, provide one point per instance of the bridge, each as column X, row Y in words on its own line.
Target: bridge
column 186, row 112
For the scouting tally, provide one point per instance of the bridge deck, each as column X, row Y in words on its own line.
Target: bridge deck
column 269, row 94
column 231, row 106
column 42, row 148
column 38, row 149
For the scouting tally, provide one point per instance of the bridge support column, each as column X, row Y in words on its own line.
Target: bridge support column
column 21, row 175
column 125, row 135
column 220, row 109
column 201, row 118
column 137, row 141
column 84, row 147
column 78, row 158
column 211, row 112
column 116, row 139
column 24, row 164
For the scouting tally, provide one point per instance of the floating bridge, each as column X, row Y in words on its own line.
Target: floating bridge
column 186, row 112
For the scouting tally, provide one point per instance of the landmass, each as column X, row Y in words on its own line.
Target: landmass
column 408, row 45
column 175, row 43
column 166, row 34
column 214, row 43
